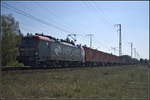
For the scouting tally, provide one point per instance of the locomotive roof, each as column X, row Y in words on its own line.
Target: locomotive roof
column 39, row 37
column 50, row 38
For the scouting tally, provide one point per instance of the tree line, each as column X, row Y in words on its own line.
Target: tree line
column 10, row 37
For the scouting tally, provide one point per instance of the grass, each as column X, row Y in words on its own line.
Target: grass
column 97, row 82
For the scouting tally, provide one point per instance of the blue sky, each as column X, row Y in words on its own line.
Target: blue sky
column 89, row 17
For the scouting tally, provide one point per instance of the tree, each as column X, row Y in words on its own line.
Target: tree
column 10, row 37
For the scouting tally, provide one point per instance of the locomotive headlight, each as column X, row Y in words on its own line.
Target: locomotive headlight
column 36, row 53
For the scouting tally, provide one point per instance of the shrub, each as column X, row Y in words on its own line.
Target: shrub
column 15, row 63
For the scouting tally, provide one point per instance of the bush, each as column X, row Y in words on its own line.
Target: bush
column 15, row 63
column 11, row 35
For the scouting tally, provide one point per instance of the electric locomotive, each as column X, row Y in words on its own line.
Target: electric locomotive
column 41, row 50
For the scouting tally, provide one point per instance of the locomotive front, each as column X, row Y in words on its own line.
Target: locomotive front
column 28, row 50
column 45, row 50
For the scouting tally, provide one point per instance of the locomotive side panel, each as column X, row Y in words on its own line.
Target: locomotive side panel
column 44, row 49
column 64, row 52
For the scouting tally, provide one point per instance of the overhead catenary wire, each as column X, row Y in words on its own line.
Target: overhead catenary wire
column 105, row 16
column 33, row 17
column 89, row 6
column 44, row 28
column 99, row 12
column 102, row 45
column 20, row 14
column 51, row 13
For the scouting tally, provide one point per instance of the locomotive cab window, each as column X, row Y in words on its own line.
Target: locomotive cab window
column 29, row 41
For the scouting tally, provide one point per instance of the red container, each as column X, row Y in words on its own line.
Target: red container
column 92, row 55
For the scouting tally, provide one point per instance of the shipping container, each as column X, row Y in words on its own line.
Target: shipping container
column 93, row 55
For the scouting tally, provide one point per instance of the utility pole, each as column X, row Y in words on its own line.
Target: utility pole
column 90, row 35
column 120, row 43
column 134, row 52
column 113, row 49
column 131, row 48
column 138, row 55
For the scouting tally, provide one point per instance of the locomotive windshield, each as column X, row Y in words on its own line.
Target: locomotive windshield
column 28, row 42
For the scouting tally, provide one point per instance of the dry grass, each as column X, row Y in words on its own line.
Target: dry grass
column 98, row 82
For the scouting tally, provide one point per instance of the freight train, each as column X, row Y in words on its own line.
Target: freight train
column 42, row 50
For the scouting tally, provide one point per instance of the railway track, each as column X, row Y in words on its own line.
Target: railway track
column 21, row 69
column 42, row 68
column 27, row 69
column 34, row 68
column 30, row 70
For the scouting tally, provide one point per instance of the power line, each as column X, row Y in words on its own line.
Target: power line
column 114, row 48
column 91, row 6
column 131, row 43
column 99, row 11
column 48, row 11
column 40, row 28
column 134, row 52
column 138, row 55
column 102, row 45
column 53, row 14
column 102, row 12
column 33, row 17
